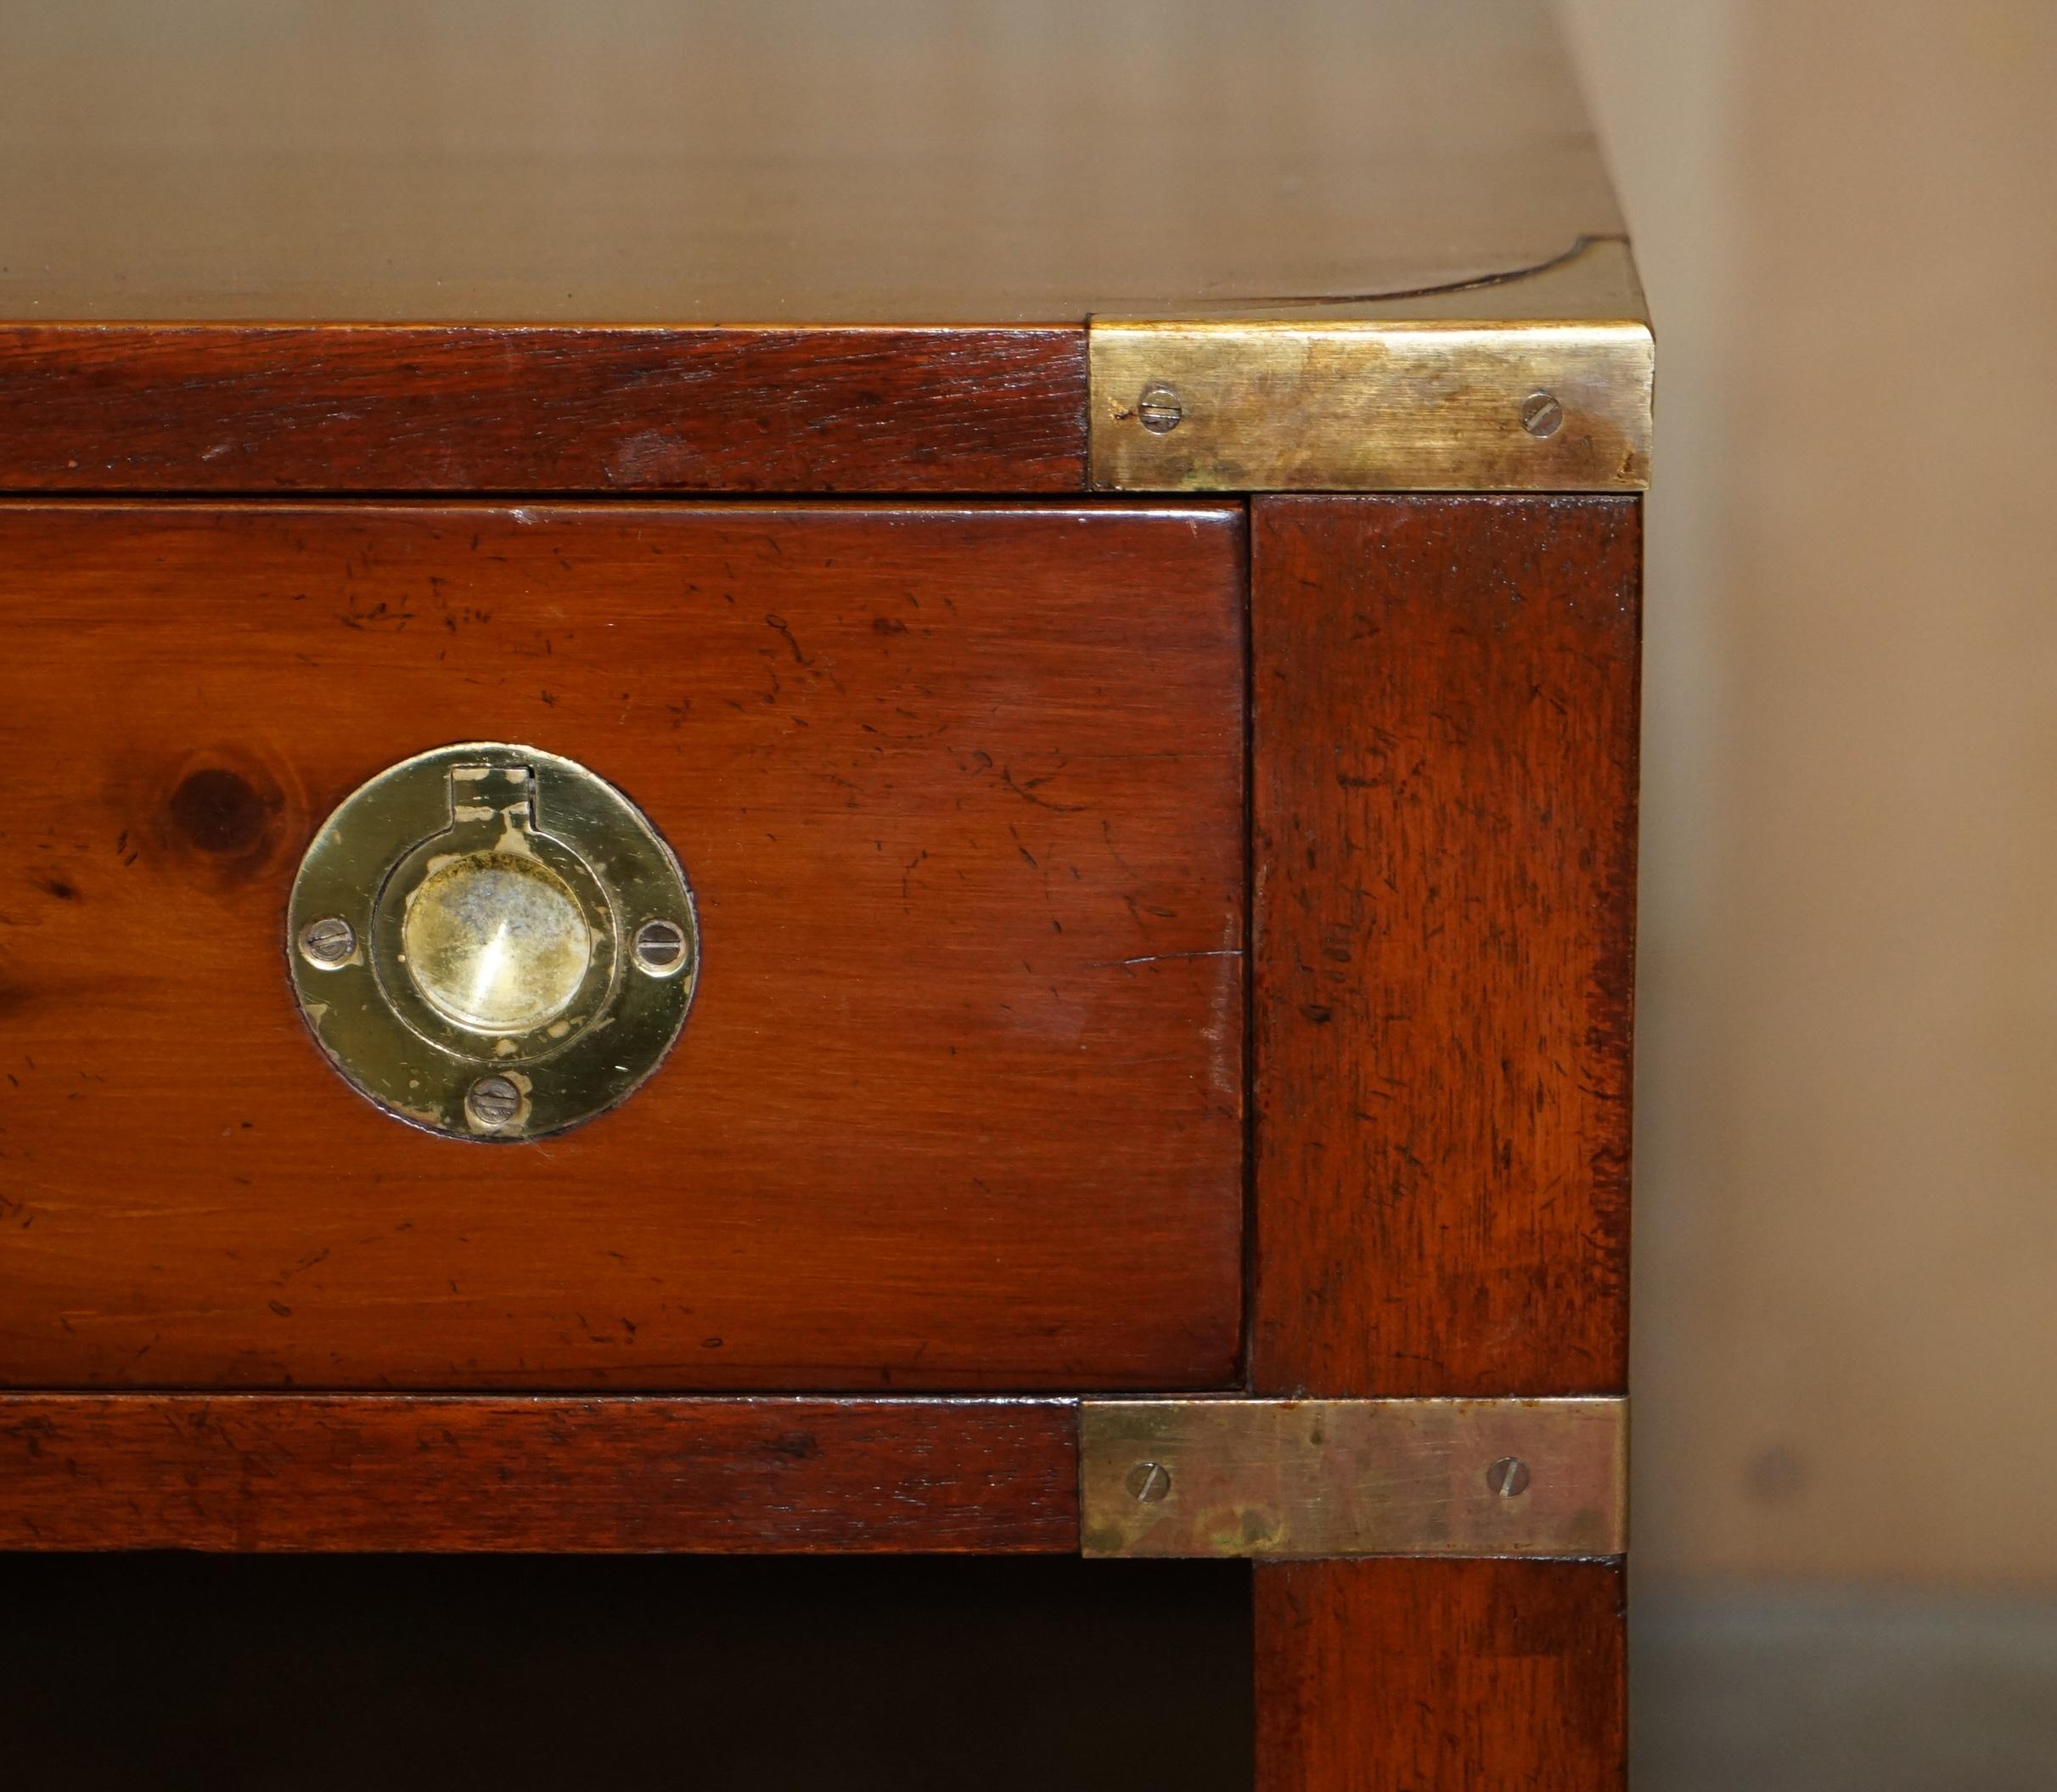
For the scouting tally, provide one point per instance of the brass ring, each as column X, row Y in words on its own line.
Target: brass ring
column 492, row 943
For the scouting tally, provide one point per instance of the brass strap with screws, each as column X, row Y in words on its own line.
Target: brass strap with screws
column 1301, row 1478
column 1539, row 383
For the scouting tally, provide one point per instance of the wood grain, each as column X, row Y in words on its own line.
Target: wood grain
column 227, row 408
column 1444, row 730
column 373, row 1472
column 1402, row 1676
column 959, row 1105
column 788, row 161
column 1443, row 737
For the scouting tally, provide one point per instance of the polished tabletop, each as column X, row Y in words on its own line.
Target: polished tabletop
column 799, row 161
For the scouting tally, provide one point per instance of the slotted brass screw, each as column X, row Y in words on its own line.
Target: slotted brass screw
column 1507, row 1477
column 328, row 942
column 1541, row 414
column 660, row 947
column 1160, row 409
column 493, row 1101
column 1148, row 1482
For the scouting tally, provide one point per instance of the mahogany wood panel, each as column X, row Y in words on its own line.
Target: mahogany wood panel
column 387, row 1472
column 1443, row 736
column 1404, row 1676
column 959, row 1105
column 223, row 408
column 1444, row 726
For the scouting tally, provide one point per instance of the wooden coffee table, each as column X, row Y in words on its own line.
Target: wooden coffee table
column 1034, row 617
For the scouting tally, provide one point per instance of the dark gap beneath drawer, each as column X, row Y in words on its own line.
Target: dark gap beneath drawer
column 301, row 1674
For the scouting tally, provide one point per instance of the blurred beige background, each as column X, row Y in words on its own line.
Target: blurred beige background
column 1845, row 1327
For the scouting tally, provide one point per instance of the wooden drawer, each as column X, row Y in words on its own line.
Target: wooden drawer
column 960, row 793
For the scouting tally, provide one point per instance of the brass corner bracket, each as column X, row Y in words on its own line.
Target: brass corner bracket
column 1540, row 382
column 1305, row 1477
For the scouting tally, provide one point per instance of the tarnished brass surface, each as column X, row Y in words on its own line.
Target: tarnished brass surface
column 1284, row 1478
column 469, row 935
column 496, row 942
column 1542, row 382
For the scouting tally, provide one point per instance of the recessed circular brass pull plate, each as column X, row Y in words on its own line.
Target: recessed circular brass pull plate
column 493, row 943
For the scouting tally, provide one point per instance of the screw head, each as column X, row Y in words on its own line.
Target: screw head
column 1160, row 409
column 1148, row 1482
column 1507, row 1477
column 329, row 941
column 492, row 1101
column 1541, row 414
column 661, row 947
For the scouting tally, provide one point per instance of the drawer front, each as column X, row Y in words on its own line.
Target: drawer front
column 959, row 792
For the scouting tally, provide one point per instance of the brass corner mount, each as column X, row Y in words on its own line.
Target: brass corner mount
column 1294, row 1479
column 1539, row 382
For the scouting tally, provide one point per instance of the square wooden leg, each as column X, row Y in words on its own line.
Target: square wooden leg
column 1404, row 1675
column 1444, row 741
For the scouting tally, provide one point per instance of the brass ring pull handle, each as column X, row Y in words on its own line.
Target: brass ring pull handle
column 492, row 943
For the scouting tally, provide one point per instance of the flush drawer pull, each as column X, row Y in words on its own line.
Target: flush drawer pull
column 492, row 943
